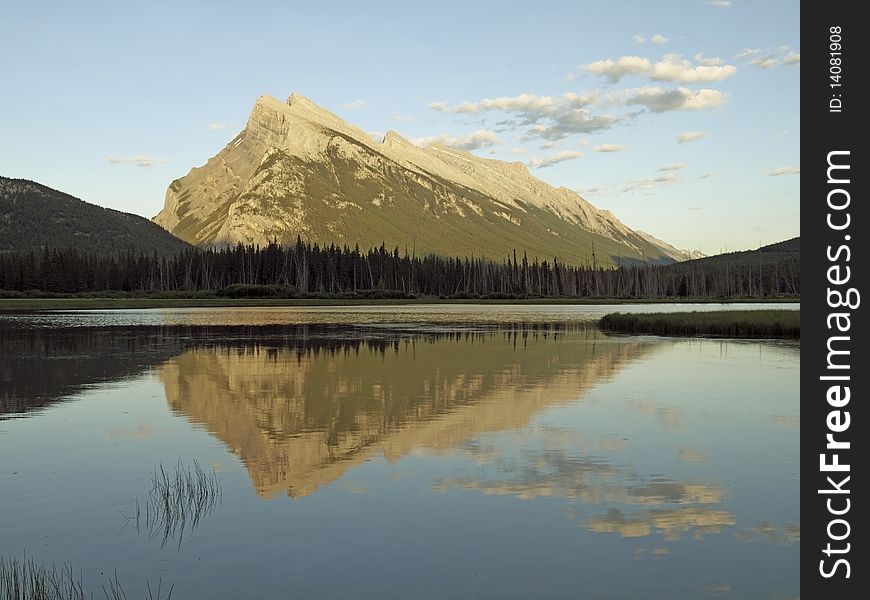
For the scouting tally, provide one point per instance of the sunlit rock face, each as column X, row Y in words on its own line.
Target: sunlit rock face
column 300, row 417
column 297, row 170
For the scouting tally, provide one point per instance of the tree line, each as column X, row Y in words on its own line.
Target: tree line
column 305, row 269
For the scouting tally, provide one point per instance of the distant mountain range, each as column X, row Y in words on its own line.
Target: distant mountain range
column 670, row 251
column 298, row 170
column 33, row 216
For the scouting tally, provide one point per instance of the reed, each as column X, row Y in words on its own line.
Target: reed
column 28, row 580
column 116, row 592
column 731, row 323
column 177, row 501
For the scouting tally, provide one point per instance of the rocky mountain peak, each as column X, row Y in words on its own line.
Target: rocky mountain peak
column 295, row 99
column 391, row 138
column 297, row 168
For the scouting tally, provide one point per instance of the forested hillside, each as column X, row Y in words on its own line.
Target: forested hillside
column 33, row 216
column 748, row 271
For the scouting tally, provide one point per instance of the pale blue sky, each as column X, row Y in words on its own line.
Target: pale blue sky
column 110, row 101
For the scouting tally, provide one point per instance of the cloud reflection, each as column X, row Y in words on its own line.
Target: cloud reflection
column 671, row 523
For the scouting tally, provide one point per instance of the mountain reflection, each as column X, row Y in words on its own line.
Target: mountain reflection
column 300, row 416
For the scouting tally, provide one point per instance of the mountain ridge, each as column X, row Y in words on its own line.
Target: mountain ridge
column 296, row 169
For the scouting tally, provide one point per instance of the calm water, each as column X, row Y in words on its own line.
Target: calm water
column 399, row 452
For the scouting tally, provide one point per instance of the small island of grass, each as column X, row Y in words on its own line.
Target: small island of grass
column 729, row 323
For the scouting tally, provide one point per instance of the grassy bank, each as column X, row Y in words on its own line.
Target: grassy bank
column 732, row 323
column 79, row 303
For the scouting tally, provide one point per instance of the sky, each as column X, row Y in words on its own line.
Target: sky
column 681, row 117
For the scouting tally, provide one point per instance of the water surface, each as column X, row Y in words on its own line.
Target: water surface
column 480, row 451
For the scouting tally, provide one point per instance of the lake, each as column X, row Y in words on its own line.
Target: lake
column 451, row 451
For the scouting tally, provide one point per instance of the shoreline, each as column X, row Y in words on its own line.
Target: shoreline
column 28, row 304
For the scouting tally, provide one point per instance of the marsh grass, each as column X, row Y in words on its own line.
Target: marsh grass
column 116, row 592
column 730, row 323
column 177, row 501
column 28, row 580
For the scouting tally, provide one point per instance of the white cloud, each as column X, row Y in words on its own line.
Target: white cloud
column 578, row 120
column 549, row 161
column 658, row 99
column 579, row 100
column 719, row 3
column 521, row 103
column 524, row 103
column 593, row 191
column 783, row 171
column 770, row 58
column 672, row 67
column 651, row 182
column 660, row 39
column 608, row 148
column 673, row 167
column 399, row 117
column 639, row 39
column 517, row 150
column 355, row 105
column 462, row 107
column 792, row 58
column 220, row 125
column 482, row 138
column 747, row 52
column 140, row 160
column 707, row 62
column 690, row 136
column 764, row 62
column 550, row 118
column 616, row 69
column 466, row 107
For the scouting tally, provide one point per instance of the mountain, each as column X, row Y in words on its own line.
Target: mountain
column 298, row 170
column 670, row 251
column 33, row 216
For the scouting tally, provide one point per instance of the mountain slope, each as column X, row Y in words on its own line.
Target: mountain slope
column 298, row 170
column 670, row 251
column 33, row 216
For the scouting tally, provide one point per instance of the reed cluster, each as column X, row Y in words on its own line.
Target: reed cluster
column 27, row 579
column 731, row 323
column 177, row 501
